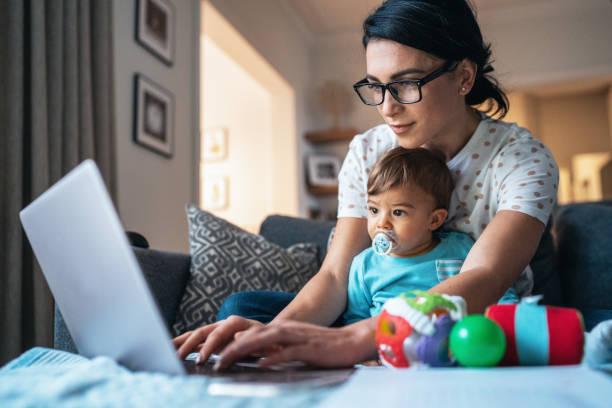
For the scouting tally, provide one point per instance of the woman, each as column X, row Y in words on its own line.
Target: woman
column 427, row 68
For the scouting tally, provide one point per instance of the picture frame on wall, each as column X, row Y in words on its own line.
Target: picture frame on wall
column 215, row 144
column 323, row 170
column 153, row 116
column 155, row 28
column 215, row 193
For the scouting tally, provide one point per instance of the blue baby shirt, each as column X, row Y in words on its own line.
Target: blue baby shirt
column 374, row 278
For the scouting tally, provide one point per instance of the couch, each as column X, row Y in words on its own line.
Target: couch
column 572, row 266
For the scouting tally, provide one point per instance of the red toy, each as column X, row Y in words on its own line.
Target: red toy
column 413, row 329
column 539, row 335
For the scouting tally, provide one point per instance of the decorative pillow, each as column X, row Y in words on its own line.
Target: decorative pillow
column 225, row 259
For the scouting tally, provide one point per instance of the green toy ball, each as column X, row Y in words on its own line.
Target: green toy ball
column 476, row 341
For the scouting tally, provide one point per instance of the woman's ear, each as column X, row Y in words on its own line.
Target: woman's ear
column 437, row 218
column 466, row 72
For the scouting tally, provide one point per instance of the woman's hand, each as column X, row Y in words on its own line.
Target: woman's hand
column 290, row 340
column 212, row 338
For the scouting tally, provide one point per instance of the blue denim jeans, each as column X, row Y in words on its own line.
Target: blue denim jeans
column 261, row 305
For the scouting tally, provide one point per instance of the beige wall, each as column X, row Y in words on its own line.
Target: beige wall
column 541, row 42
column 574, row 124
column 524, row 110
column 230, row 92
column 243, row 93
column 153, row 190
column 609, row 106
column 272, row 32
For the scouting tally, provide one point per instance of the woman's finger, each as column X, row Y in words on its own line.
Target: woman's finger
column 224, row 334
column 255, row 340
column 197, row 336
column 179, row 340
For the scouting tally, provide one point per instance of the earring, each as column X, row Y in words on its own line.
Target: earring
column 462, row 89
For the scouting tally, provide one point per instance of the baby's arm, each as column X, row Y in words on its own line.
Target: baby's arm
column 359, row 302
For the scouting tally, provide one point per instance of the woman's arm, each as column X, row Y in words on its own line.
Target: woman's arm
column 323, row 298
column 496, row 260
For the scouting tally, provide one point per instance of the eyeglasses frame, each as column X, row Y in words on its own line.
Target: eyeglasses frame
column 447, row 67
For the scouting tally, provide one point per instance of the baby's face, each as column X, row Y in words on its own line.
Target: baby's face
column 405, row 215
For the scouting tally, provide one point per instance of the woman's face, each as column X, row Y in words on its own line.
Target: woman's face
column 427, row 123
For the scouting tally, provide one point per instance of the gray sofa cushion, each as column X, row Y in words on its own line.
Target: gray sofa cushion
column 225, row 259
column 546, row 280
column 167, row 274
column 286, row 231
column 584, row 245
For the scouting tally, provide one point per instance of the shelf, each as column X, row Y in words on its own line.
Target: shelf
column 331, row 135
column 323, row 190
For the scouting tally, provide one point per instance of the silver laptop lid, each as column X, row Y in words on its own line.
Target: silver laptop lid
column 94, row 276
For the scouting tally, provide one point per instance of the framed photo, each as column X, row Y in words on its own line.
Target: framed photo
column 215, row 193
column 155, row 28
column 154, row 116
column 323, row 170
column 215, row 144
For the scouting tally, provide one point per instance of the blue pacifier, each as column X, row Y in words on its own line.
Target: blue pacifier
column 382, row 244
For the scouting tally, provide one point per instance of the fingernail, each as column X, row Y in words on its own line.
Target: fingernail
column 217, row 365
column 197, row 359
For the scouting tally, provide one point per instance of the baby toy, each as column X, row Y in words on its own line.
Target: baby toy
column 539, row 335
column 598, row 350
column 428, row 328
column 476, row 341
column 413, row 329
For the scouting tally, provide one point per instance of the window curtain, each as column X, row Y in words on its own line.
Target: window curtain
column 56, row 109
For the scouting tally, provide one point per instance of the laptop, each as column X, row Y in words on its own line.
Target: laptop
column 102, row 294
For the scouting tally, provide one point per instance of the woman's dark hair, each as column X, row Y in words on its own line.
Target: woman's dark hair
column 446, row 29
column 420, row 167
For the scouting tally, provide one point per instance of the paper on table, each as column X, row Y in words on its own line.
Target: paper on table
column 567, row 386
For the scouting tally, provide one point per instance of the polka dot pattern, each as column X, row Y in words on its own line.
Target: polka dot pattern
column 502, row 167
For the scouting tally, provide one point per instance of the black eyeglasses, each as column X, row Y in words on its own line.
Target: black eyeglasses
column 405, row 91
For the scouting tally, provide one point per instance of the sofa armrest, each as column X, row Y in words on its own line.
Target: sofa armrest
column 166, row 274
column 286, row 231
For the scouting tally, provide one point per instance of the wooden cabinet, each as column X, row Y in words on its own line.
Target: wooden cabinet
column 323, row 190
column 331, row 135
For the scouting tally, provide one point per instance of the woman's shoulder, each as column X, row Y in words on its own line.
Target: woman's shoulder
column 509, row 134
column 508, row 139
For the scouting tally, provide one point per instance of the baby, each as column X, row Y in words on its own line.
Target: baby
column 409, row 191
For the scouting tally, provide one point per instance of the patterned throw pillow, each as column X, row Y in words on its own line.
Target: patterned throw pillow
column 225, row 259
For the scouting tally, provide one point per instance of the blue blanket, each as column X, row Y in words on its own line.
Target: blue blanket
column 44, row 377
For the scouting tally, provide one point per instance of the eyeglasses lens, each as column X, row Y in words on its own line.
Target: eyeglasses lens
column 371, row 94
column 404, row 92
